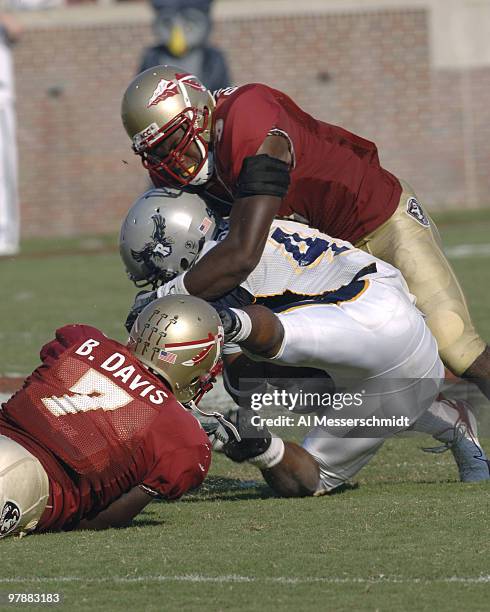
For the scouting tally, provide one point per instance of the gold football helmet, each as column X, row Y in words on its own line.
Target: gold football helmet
column 167, row 114
column 180, row 337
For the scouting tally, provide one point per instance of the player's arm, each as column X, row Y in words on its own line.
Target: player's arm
column 255, row 328
column 262, row 184
column 120, row 513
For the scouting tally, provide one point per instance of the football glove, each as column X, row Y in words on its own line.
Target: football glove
column 231, row 323
column 253, row 440
column 218, row 429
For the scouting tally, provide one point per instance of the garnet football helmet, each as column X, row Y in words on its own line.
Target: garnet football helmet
column 167, row 114
column 162, row 235
column 180, row 338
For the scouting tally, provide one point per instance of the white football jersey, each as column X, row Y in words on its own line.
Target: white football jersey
column 301, row 263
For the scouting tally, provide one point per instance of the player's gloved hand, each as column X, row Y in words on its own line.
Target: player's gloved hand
column 176, row 285
column 143, row 298
column 232, row 325
column 253, row 441
column 219, row 429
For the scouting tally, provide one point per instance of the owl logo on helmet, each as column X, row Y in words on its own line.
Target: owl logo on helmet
column 163, row 234
column 167, row 114
column 158, row 248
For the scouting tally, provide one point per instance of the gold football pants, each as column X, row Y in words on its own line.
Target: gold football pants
column 410, row 241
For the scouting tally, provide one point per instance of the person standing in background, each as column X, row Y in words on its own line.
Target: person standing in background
column 182, row 29
column 10, row 31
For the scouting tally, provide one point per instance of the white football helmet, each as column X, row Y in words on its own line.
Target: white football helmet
column 162, row 235
column 167, row 114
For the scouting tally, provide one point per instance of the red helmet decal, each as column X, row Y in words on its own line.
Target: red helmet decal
column 189, row 79
column 207, row 344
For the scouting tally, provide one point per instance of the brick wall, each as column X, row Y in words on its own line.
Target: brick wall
column 368, row 71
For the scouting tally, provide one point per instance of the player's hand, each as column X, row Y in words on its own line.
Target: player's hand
column 219, row 429
column 231, row 323
column 253, row 440
column 143, row 298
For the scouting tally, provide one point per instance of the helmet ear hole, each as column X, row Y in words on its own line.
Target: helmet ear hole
column 184, row 263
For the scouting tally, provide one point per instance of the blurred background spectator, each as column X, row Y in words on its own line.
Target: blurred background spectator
column 10, row 30
column 182, row 29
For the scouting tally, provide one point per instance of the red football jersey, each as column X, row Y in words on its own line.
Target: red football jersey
column 337, row 183
column 100, row 423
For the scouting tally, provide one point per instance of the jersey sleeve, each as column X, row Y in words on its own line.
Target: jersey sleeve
column 242, row 122
column 178, row 454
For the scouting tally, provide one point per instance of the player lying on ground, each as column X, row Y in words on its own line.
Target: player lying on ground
column 97, row 431
column 344, row 312
column 311, row 335
column 251, row 149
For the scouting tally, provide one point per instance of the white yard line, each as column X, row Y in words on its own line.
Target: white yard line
column 234, row 578
column 460, row 251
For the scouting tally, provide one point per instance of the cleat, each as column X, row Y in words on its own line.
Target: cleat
column 462, row 440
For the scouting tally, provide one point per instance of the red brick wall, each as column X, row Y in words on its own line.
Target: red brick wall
column 379, row 84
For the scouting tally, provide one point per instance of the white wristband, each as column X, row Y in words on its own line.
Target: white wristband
column 175, row 286
column 272, row 456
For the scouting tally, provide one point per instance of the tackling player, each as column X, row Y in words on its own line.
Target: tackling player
column 342, row 311
column 253, row 151
column 97, row 431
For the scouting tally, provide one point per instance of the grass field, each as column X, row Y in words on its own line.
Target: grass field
column 409, row 538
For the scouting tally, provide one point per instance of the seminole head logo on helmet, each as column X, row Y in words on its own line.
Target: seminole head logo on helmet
column 166, row 89
column 180, row 338
column 167, row 114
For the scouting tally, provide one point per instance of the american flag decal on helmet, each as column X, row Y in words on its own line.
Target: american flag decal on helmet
column 167, row 357
column 166, row 89
column 205, row 225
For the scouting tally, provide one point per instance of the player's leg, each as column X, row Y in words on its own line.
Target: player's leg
column 380, row 333
column 409, row 240
column 338, row 459
column 24, row 489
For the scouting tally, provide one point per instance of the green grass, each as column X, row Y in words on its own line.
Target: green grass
column 406, row 539
column 396, row 543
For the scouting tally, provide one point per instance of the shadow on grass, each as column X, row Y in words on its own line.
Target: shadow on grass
column 229, row 489
column 232, row 489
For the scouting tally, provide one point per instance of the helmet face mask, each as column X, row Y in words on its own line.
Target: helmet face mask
column 181, row 163
column 163, row 234
column 180, row 339
column 162, row 102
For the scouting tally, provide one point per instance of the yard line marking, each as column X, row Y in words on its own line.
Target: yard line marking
column 460, row 251
column 234, row 578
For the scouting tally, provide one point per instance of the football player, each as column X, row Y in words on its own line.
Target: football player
column 342, row 311
column 98, row 430
column 252, row 151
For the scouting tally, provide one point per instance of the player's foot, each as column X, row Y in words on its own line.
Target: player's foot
column 461, row 439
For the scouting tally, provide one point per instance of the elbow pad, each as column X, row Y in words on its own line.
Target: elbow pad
column 263, row 175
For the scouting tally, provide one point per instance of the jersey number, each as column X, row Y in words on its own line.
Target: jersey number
column 305, row 251
column 93, row 391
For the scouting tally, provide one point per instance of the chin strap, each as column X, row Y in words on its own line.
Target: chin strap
column 207, row 382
